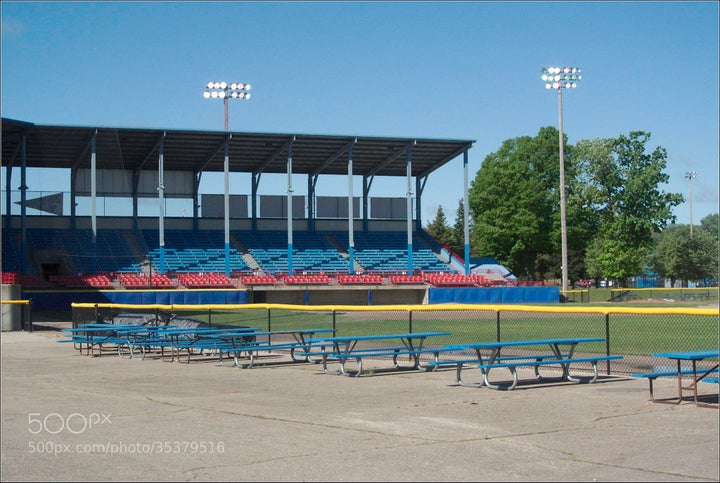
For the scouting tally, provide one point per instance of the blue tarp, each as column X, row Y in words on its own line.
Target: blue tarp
column 63, row 299
column 494, row 295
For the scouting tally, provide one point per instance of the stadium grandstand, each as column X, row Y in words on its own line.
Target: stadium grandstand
column 231, row 242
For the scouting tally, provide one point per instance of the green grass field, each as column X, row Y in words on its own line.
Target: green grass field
column 628, row 334
column 638, row 334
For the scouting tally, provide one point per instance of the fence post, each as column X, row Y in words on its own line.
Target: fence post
column 410, row 321
column 334, row 327
column 607, row 341
column 22, row 316
column 497, row 324
column 30, row 315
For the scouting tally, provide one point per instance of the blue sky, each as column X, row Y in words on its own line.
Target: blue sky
column 456, row 70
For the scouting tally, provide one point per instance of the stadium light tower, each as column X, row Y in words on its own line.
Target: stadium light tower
column 560, row 78
column 225, row 91
column 690, row 175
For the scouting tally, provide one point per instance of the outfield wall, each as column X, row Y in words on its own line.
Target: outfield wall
column 495, row 295
column 325, row 295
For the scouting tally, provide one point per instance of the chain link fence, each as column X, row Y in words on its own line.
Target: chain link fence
column 666, row 295
column 634, row 333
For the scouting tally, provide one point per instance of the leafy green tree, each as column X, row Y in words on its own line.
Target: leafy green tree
column 514, row 202
column 439, row 228
column 710, row 224
column 620, row 182
column 679, row 256
column 707, row 238
column 457, row 239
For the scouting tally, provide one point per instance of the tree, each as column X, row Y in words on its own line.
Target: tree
column 679, row 256
column 707, row 239
column 620, row 182
column 710, row 224
column 457, row 238
column 439, row 228
column 514, row 202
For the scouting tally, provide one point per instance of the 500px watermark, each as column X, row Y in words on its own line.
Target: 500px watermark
column 75, row 423
column 113, row 448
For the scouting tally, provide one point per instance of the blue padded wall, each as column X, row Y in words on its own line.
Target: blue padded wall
column 494, row 295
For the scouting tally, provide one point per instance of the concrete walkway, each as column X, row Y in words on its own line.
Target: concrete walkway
column 71, row 417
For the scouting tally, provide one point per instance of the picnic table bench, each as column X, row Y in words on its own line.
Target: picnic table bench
column 346, row 348
column 696, row 374
column 94, row 336
column 223, row 341
column 562, row 354
column 192, row 340
column 145, row 338
column 300, row 348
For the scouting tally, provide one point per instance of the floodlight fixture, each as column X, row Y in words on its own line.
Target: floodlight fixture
column 225, row 91
column 560, row 78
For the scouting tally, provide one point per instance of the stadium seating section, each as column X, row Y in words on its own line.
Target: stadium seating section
column 360, row 279
column 406, row 279
column 205, row 280
column 145, row 280
column 258, row 280
column 387, row 251
column 306, row 280
column 192, row 251
column 132, row 259
column 311, row 251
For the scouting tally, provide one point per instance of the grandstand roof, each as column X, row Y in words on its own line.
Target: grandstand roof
column 49, row 146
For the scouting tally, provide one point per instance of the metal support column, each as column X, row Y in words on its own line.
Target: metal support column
column 93, row 199
column 23, row 203
column 409, row 194
column 289, row 210
column 255, row 181
column 226, row 169
column 161, row 197
column 73, row 198
column 310, row 202
column 196, row 201
column 135, row 187
column 419, row 186
column 351, row 215
column 8, row 197
column 366, row 195
column 466, row 214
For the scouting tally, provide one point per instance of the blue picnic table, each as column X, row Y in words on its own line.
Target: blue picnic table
column 562, row 353
column 261, row 341
column 696, row 374
column 93, row 336
column 345, row 348
column 192, row 340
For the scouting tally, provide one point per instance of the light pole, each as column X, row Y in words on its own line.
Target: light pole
column 225, row 91
column 560, row 78
column 690, row 175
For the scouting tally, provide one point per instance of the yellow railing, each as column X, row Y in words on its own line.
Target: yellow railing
column 558, row 309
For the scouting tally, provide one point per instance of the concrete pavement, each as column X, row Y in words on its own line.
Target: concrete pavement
column 71, row 417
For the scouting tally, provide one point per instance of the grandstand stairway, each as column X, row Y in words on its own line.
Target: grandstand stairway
column 244, row 253
column 332, row 239
column 135, row 249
